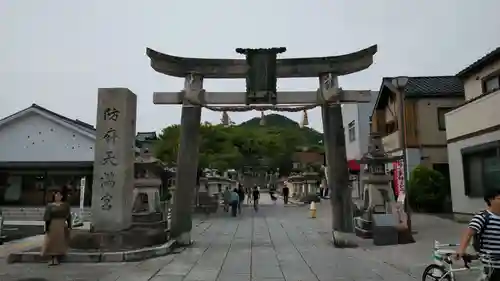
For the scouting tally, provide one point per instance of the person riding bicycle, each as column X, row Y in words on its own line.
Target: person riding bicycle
column 485, row 229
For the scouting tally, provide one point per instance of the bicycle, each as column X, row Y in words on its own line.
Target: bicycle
column 442, row 269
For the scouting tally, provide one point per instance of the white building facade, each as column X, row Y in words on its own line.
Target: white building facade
column 356, row 121
column 473, row 136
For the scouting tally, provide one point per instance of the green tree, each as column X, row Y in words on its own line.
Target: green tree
column 267, row 147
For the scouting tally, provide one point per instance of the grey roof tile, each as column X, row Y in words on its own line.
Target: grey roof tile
column 480, row 63
column 143, row 136
column 437, row 85
column 429, row 86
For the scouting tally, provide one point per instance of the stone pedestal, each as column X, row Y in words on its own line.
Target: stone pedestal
column 112, row 190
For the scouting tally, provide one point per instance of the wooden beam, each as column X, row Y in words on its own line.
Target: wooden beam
column 284, row 98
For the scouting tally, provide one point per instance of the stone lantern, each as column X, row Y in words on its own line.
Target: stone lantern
column 378, row 196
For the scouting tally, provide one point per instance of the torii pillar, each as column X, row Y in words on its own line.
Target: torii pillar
column 187, row 163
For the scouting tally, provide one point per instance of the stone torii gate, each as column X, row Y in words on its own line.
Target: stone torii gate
column 261, row 68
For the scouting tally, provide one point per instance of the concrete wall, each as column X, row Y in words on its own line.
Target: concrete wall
column 35, row 138
column 474, row 116
column 472, row 85
column 428, row 128
column 462, row 203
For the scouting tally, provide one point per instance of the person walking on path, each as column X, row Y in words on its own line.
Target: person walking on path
column 235, row 199
column 255, row 197
column 227, row 199
column 286, row 192
column 57, row 219
column 248, row 192
column 241, row 196
column 271, row 193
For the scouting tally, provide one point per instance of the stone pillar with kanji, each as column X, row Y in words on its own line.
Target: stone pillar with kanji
column 113, row 178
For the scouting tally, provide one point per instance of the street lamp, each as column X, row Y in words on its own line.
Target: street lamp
column 400, row 83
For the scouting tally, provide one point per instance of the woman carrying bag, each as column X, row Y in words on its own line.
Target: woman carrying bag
column 57, row 219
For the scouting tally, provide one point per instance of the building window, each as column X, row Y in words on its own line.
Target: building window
column 491, row 84
column 481, row 169
column 441, row 111
column 391, row 127
column 352, row 131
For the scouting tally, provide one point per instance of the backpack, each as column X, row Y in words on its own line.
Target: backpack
column 477, row 241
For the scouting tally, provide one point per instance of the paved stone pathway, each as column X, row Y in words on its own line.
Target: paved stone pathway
column 277, row 243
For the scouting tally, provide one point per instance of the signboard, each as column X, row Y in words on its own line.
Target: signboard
column 83, row 182
column 329, row 82
column 261, row 76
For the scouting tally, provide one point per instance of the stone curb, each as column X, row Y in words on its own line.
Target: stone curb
column 125, row 256
column 292, row 201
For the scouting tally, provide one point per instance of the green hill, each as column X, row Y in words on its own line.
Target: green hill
column 311, row 136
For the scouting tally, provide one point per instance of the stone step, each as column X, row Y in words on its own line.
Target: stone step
column 34, row 213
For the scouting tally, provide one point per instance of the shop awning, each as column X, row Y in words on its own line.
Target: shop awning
column 353, row 165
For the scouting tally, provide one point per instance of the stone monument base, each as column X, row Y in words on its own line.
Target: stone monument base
column 134, row 238
column 134, row 244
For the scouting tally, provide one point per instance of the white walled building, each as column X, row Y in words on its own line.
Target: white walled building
column 356, row 119
column 42, row 150
column 473, row 136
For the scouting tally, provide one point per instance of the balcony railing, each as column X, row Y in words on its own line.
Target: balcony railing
column 391, row 142
column 476, row 115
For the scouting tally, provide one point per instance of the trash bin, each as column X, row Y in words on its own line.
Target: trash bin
column 384, row 229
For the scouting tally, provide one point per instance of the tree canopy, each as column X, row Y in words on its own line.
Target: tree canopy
column 246, row 145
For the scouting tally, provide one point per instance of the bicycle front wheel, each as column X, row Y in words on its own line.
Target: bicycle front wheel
column 434, row 272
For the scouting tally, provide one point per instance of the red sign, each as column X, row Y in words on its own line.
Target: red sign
column 399, row 173
column 395, row 177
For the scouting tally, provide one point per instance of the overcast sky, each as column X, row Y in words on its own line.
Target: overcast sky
column 56, row 53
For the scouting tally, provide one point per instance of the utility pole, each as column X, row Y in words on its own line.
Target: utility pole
column 400, row 83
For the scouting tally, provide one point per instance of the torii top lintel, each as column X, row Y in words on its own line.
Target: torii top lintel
column 285, row 68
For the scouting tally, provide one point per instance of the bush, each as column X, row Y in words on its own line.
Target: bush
column 427, row 190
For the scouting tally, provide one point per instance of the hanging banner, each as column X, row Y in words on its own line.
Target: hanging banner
column 395, row 178
column 400, row 187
